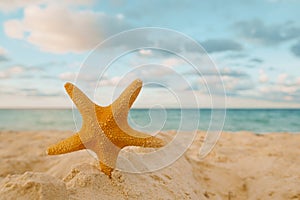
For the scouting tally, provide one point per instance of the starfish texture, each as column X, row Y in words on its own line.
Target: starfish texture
column 105, row 130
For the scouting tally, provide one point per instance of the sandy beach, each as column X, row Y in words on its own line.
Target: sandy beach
column 242, row 165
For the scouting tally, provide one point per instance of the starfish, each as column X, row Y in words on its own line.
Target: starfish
column 105, row 130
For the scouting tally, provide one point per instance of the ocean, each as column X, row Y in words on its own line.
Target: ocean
column 255, row 120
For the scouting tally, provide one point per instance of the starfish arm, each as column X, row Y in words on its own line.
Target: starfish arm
column 137, row 138
column 82, row 102
column 128, row 96
column 106, row 169
column 107, row 155
column 70, row 144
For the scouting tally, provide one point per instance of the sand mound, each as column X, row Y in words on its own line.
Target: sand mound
column 87, row 182
column 32, row 185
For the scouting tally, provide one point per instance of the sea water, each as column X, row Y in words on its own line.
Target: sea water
column 255, row 120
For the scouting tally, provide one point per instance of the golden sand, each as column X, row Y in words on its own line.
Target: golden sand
column 241, row 166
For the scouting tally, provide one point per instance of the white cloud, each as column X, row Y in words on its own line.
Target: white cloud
column 278, row 91
column 11, row 71
column 3, row 51
column 263, row 77
column 145, row 52
column 14, row 29
column 235, row 82
column 172, row 62
column 15, row 70
column 2, row 75
column 12, row 5
column 67, row 76
column 58, row 29
column 286, row 88
column 298, row 81
column 288, row 98
column 114, row 81
column 282, row 78
column 120, row 16
column 72, row 76
column 3, row 55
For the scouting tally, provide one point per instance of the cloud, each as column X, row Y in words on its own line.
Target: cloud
column 29, row 92
column 233, row 73
column 66, row 30
column 280, row 93
column 67, row 76
column 14, row 29
column 114, row 81
column 11, row 71
column 8, row 6
column 12, row 5
column 263, row 77
column 220, row 45
column 3, row 51
column 296, row 49
column 298, row 81
column 77, row 30
column 259, row 32
column 232, row 85
column 282, row 78
column 3, row 58
column 28, row 72
column 286, row 88
column 145, row 52
column 235, row 82
column 72, row 76
column 148, row 73
column 226, row 71
column 3, row 55
column 235, row 55
column 256, row 60
column 37, row 92
column 172, row 62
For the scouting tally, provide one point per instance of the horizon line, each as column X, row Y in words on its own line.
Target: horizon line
column 141, row 108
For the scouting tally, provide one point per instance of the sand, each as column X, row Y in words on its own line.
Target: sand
column 241, row 166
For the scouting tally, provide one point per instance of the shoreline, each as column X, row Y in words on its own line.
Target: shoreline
column 163, row 131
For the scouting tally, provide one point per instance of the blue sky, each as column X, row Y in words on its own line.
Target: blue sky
column 254, row 44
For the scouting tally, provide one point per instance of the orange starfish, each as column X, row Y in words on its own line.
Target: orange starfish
column 105, row 130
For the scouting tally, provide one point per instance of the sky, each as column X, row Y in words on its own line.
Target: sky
column 251, row 48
